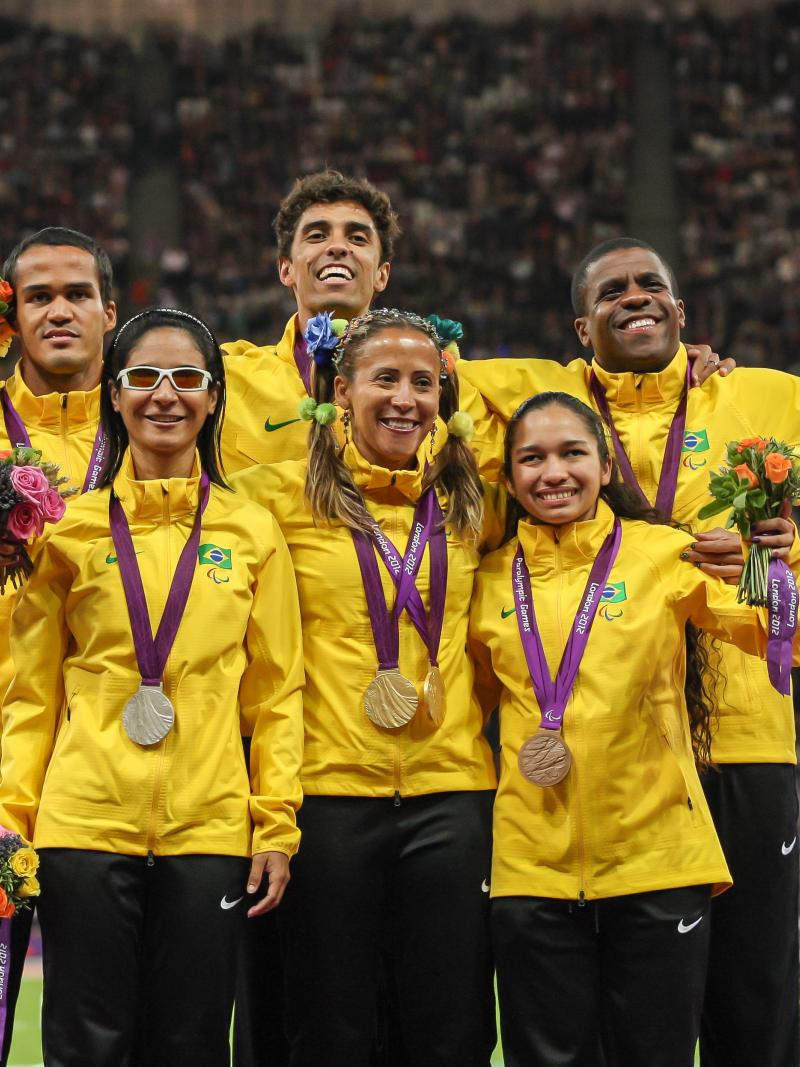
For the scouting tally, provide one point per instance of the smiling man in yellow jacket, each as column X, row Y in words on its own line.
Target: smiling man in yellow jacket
column 628, row 312
column 62, row 310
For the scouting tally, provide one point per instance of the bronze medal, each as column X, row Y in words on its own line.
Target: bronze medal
column 544, row 759
column 390, row 700
column 434, row 695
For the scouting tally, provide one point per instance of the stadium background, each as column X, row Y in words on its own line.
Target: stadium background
column 511, row 137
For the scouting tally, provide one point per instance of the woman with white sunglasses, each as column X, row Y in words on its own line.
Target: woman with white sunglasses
column 160, row 626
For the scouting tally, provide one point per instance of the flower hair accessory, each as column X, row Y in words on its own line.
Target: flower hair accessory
column 449, row 333
column 7, row 331
column 461, row 424
column 322, row 337
column 310, row 411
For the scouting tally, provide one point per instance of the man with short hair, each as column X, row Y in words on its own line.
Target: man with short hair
column 628, row 312
column 62, row 310
column 336, row 240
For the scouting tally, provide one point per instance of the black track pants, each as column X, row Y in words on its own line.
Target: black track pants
column 258, row 1032
column 626, row 973
column 750, row 1016
column 139, row 961
column 20, row 936
column 406, row 883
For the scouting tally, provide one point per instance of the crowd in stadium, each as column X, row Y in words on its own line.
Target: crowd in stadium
column 495, row 207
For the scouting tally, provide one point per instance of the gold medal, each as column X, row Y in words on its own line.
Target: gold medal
column 390, row 700
column 544, row 759
column 434, row 695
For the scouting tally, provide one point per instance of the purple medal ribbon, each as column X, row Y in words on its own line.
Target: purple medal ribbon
column 668, row 480
column 302, row 360
column 553, row 695
column 19, row 438
column 152, row 655
column 5, row 973
column 782, row 611
column 426, row 530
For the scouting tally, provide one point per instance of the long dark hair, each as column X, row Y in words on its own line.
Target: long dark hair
column 128, row 336
column 702, row 651
column 330, row 488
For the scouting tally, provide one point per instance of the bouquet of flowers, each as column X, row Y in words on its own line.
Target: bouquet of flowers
column 29, row 497
column 18, row 866
column 761, row 474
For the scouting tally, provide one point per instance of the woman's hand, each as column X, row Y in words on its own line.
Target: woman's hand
column 9, row 554
column 777, row 534
column 705, row 363
column 277, row 867
column 718, row 552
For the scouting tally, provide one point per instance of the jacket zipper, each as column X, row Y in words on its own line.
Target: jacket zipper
column 67, row 466
column 572, row 785
column 160, row 755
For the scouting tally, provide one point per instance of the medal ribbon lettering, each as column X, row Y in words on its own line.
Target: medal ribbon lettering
column 152, row 655
column 553, row 695
column 668, row 480
column 426, row 529
column 18, row 438
column 782, row 611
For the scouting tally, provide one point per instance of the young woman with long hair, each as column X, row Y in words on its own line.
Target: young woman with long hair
column 605, row 855
column 385, row 525
column 122, row 757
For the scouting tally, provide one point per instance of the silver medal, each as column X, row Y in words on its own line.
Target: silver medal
column 148, row 716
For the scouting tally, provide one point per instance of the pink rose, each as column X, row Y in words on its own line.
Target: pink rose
column 30, row 483
column 53, row 507
column 24, row 521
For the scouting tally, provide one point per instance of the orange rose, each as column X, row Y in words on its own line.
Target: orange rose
column 6, row 292
column 753, row 442
column 746, row 475
column 6, row 330
column 777, row 467
column 7, row 909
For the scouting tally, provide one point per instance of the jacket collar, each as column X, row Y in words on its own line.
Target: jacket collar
column 577, row 543
column 285, row 347
column 370, row 478
column 628, row 390
column 81, row 408
column 157, row 499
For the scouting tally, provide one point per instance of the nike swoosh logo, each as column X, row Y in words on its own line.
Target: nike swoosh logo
column 485, row 887
column 226, row 904
column 786, row 849
column 115, row 559
column 504, row 613
column 270, row 426
column 684, row 929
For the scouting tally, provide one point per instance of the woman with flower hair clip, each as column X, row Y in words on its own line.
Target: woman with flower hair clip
column 385, row 524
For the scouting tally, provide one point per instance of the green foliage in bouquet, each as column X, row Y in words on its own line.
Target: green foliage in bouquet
column 760, row 475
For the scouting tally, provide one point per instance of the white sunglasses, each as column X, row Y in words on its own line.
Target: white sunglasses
column 182, row 379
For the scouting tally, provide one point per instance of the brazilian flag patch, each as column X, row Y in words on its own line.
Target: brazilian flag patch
column 614, row 593
column 695, row 441
column 214, row 556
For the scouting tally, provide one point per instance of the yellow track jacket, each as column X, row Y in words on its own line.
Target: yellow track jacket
column 631, row 815
column 756, row 723
column 345, row 754
column 71, row 777
column 63, row 426
column 264, row 390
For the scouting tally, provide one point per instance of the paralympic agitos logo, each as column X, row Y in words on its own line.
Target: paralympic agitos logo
column 694, row 441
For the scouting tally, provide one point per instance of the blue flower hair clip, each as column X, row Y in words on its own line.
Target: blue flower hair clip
column 322, row 336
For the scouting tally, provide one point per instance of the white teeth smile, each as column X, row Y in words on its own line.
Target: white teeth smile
column 639, row 324
column 562, row 494
column 399, row 424
column 339, row 271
